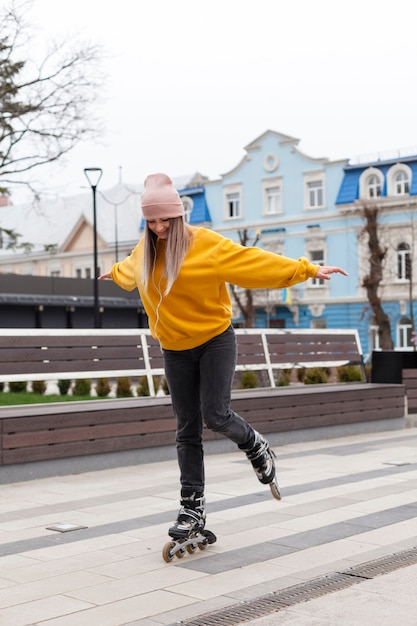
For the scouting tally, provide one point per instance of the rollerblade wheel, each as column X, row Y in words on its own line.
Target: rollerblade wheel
column 275, row 490
column 180, row 553
column 211, row 537
column 167, row 553
column 191, row 548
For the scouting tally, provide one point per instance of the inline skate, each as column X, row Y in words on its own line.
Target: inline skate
column 262, row 459
column 188, row 532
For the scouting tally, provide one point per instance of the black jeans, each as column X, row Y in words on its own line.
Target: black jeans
column 200, row 381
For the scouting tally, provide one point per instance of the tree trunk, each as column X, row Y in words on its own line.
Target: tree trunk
column 244, row 300
column 244, row 303
column 373, row 279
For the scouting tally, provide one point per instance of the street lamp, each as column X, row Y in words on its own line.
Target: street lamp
column 93, row 175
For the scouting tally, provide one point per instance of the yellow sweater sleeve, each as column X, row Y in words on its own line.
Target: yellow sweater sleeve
column 254, row 268
column 126, row 273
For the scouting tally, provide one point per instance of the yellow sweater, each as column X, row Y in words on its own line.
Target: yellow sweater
column 198, row 307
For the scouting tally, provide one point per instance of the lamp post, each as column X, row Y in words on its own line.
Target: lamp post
column 116, row 236
column 93, row 175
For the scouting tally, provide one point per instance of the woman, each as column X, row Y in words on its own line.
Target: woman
column 182, row 274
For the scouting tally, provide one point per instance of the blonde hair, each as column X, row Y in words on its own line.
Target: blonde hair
column 177, row 244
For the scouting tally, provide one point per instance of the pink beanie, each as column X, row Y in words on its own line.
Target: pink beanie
column 160, row 198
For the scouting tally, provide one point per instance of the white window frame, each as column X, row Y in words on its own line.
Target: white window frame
column 188, row 205
column 402, row 255
column 374, row 337
column 236, row 192
column 392, row 180
column 371, row 174
column 315, row 194
column 317, row 282
column 404, row 335
column 269, row 185
column 374, row 187
column 314, row 178
column 402, row 184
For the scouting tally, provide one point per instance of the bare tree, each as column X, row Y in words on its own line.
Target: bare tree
column 371, row 281
column 407, row 265
column 244, row 299
column 46, row 105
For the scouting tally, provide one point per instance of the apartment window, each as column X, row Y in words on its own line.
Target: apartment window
column 402, row 184
column 371, row 183
column 78, row 273
column 273, row 200
column 232, row 201
column 374, row 339
column 314, row 190
column 233, row 205
column 55, row 273
column 404, row 334
column 317, row 257
column 272, row 196
column 404, row 261
column 315, row 194
column 399, row 180
column 374, row 187
column 188, row 208
column 87, row 272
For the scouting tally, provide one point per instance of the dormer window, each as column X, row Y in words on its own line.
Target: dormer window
column 371, row 184
column 402, row 184
column 374, row 187
column 399, row 180
column 188, row 208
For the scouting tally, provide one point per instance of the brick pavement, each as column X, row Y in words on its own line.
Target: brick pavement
column 346, row 501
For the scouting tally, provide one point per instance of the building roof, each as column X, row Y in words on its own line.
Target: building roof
column 200, row 212
column 52, row 221
column 349, row 189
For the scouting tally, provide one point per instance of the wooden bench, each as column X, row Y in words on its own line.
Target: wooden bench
column 51, row 354
column 58, row 430
column 409, row 377
column 273, row 350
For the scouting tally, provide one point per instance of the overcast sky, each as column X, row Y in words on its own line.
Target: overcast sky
column 191, row 83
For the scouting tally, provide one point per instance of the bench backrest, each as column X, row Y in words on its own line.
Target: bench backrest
column 275, row 349
column 32, row 354
column 56, row 354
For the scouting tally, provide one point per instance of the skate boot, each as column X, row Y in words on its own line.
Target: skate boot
column 191, row 517
column 188, row 532
column 262, row 459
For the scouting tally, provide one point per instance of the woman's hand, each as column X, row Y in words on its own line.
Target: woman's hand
column 104, row 276
column 324, row 271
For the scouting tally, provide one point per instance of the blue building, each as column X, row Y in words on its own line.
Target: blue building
column 389, row 185
column 285, row 201
column 290, row 203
